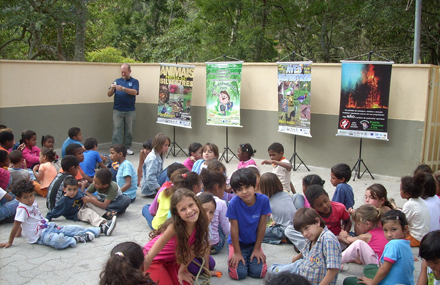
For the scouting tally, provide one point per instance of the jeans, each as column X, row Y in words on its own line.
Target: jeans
column 146, row 213
column 62, row 237
column 123, row 123
column 8, row 208
column 252, row 268
column 289, row 267
column 216, row 248
column 274, row 234
column 120, row 204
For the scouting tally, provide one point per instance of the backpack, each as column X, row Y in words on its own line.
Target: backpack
column 54, row 189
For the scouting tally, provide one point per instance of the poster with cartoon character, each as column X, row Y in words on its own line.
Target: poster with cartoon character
column 294, row 97
column 223, row 82
column 175, row 95
column 365, row 93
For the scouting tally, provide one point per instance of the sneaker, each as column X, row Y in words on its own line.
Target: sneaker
column 85, row 237
column 129, row 151
column 109, row 226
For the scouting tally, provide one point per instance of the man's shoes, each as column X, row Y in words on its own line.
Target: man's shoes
column 84, row 237
column 129, row 151
column 109, row 226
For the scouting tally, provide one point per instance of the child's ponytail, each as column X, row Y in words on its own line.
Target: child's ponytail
column 367, row 213
column 124, row 266
column 413, row 185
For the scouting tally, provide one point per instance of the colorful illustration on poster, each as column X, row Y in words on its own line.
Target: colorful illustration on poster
column 365, row 92
column 175, row 95
column 294, row 97
column 223, row 83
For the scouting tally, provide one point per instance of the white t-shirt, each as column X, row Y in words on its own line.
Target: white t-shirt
column 2, row 193
column 283, row 175
column 417, row 214
column 433, row 204
column 32, row 222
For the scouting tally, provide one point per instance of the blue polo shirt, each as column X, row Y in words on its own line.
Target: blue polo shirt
column 124, row 102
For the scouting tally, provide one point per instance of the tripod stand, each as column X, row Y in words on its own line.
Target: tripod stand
column 357, row 166
column 172, row 149
column 227, row 150
column 294, row 156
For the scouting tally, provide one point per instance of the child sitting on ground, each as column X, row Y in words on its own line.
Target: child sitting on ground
column 432, row 201
column 78, row 151
column 6, row 140
column 30, row 150
column 195, row 153
column 299, row 200
column 8, row 207
column 333, row 213
column 72, row 207
column 147, row 148
column 109, row 196
column 367, row 247
column 75, row 136
column 126, row 178
column 153, row 166
column 415, row 210
column 125, row 266
column 17, row 171
column 282, row 207
column 49, row 142
column 247, row 213
column 429, row 251
column 91, row 157
column 37, row 230
column 216, row 165
column 214, row 183
column 209, row 153
column 281, row 166
column 150, row 210
column 397, row 261
column 320, row 259
column 245, row 153
column 340, row 175
column 181, row 178
column 45, row 172
column 5, row 176
column 70, row 166
column 376, row 195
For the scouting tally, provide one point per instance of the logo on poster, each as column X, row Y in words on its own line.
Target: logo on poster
column 344, row 124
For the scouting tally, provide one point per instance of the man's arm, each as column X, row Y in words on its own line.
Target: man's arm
column 129, row 91
column 111, row 91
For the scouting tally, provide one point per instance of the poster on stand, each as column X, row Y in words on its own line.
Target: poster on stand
column 175, row 95
column 223, row 83
column 365, row 93
column 294, row 97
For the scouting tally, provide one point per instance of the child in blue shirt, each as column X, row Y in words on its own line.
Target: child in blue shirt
column 247, row 213
column 75, row 136
column 126, row 177
column 340, row 175
column 91, row 157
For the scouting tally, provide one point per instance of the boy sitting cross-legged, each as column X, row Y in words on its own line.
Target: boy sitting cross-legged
column 109, row 195
column 126, row 177
column 247, row 212
column 91, row 157
column 37, row 229
column 72, row 207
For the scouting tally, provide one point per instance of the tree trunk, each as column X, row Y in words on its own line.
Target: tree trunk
column 80, row 33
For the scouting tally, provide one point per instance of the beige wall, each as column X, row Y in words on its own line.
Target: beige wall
column 42, row 83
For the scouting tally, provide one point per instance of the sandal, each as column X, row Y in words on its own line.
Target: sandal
column 109, row 215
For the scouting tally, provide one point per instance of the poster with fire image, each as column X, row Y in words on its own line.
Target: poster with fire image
column 175, row 95
column 294, row 97
column 223, row 85
column 365, row 93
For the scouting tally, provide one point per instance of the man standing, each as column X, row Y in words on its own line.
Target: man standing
column 125, row 90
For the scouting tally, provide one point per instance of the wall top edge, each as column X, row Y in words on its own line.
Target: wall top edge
column 191, row 63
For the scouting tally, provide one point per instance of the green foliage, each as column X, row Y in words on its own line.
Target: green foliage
column 108, row 54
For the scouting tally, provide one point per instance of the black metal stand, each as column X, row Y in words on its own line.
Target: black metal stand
column 227, row 150
column 357, row 166
column 294, row 156
column 174, row 144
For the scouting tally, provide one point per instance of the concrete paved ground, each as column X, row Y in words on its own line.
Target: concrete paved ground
column 24, row 263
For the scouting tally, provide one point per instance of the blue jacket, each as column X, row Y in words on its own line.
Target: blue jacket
column 67, row 207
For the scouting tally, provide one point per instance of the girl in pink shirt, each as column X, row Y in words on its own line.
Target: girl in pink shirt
column 368, row 247
column 245, row 153
column 31, row 153
column 195, row 153
column 174, row 245
column 45, row 172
